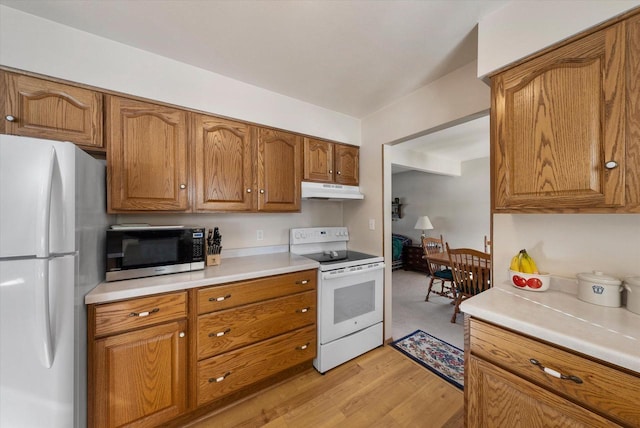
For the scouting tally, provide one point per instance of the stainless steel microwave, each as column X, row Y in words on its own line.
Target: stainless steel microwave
column 139, row 251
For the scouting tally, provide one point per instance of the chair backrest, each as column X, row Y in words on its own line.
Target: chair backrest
column 432, row 246
column 487, row 244
column 471, row 270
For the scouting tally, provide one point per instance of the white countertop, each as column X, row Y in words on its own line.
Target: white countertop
column 230, row 270
column 559, row 317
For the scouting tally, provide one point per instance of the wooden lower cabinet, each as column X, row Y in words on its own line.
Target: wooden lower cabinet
column 141, row 376
column 506, row 384
column 163, row 359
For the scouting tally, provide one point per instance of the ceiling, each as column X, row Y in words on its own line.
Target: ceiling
column 350, row 56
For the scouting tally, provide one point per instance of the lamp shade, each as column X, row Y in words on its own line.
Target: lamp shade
column 423, row 223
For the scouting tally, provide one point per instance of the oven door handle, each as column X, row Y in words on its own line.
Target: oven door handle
column 356, row 270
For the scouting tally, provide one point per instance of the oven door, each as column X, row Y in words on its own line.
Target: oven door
column 350, row 300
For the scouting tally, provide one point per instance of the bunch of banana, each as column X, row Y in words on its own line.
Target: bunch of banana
column 523, row 262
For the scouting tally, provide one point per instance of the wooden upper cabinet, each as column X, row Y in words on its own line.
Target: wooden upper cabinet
column 147, row 156
column 329, row 162
column 318, row 160
column 279, row 170
column 223, row 158
column 347, row 159
column 558, row 126
column 44, row 109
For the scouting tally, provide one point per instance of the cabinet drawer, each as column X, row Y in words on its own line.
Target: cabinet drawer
column 239, row 293
column 222, row 331
column 234, row 370
column 603, row 388
column 135, row 313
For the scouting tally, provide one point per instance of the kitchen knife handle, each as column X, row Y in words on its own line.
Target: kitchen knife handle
column 553, row 372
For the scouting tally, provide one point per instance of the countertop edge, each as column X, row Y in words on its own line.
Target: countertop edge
column 484, row 307
column 230, row 270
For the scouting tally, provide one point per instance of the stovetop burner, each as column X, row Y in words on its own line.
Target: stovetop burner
column 329, row 257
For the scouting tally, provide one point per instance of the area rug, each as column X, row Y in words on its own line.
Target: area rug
column 440, row 357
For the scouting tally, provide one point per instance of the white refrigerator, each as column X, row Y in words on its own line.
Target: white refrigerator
column 52, row 230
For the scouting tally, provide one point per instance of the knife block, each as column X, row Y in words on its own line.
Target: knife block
column 213, row 259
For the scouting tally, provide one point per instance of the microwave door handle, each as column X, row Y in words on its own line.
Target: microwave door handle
column 44, row 208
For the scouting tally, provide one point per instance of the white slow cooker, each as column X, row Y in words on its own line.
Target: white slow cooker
column 600, row 289
column 632, row 286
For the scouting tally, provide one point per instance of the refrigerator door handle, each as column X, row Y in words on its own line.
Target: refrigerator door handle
column 42, row 315
column 44, row 208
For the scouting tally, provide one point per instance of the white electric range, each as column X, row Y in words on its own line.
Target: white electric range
column 350, row 294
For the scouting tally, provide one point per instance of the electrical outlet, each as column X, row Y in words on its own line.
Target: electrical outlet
column 372, row 224
column 259, row 234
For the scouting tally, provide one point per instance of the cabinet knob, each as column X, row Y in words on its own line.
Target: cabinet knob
column 248, row 190
column 261, row 190
column 182, row 334
column 183, row 186
column 10, row 118
column 339, row 173
column 330, row 171
column 611, row 164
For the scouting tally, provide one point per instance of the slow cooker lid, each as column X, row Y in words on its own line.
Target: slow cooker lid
column 599, row 278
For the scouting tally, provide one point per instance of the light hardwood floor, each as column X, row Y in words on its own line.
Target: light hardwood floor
column 381, row 388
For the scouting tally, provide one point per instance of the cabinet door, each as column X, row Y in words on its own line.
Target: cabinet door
column 140, row 376
column 44, row 109
column 223, row 159
column 147, row 157
column 558, row 127
column 318, row 160
column 279, row 170
column 347, row 160
column 496, row 398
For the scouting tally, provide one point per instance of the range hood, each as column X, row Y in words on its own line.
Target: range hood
column 335, row 192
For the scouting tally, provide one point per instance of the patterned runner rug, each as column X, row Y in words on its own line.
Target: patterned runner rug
column 443, row 359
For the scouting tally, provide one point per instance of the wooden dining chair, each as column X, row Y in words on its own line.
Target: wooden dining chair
column 471, row 274
column 437, row 271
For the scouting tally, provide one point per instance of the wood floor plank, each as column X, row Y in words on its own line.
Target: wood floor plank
column 382, row 388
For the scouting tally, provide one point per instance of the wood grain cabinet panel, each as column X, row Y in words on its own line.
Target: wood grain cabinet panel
column 279, row 170
column 558, row 126
column 328, row 162
column 147, row 159
column 140, row 377
column 45, row 109
column 506, row 364
column 223, row 157
column 234, row 370
column 225, row 296
column 232, row 328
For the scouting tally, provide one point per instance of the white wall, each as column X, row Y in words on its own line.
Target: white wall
column 34, row 44
column 523, row 27
column 458, row 207
column 447, row 101
column 239, row 229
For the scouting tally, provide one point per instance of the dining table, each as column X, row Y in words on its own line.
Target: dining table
column 443, row 259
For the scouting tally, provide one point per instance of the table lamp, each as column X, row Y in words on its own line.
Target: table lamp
column 423, row 223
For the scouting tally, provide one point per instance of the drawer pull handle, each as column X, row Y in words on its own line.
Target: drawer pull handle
column 303, row 347
column 219, row 299
column 220, row 333
column 303, row 310
column 219, row 379
column 553, row 372
column 303, row 282
column 144, row 314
